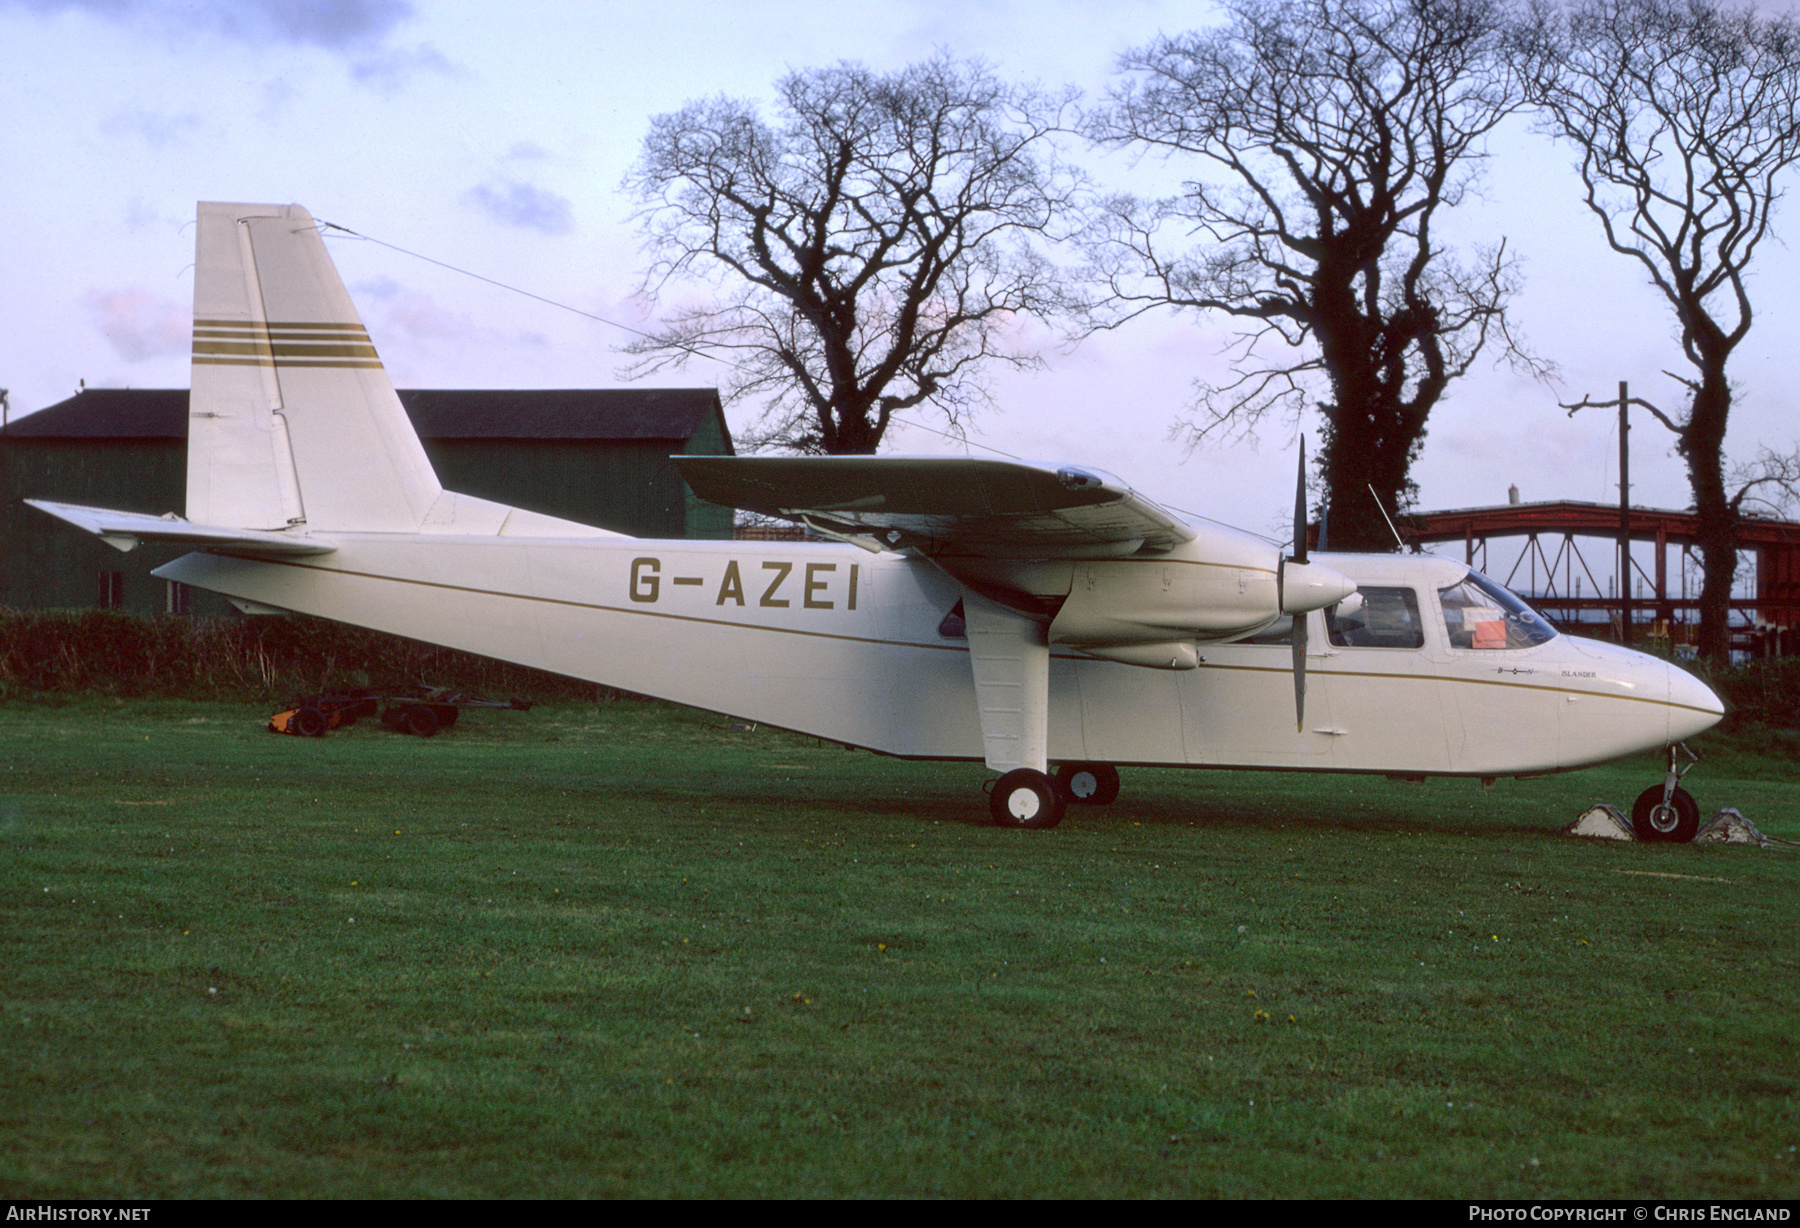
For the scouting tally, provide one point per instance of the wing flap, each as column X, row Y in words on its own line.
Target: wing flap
column 125, row 530
column 993, row 509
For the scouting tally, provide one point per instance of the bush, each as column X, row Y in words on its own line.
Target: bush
column 1765, row 692
column 109, row 652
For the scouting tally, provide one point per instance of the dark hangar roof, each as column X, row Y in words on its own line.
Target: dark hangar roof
column 437, row 413
column 109, row 413
column 569, row 413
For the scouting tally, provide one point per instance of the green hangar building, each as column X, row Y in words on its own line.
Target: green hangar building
column 598, row 456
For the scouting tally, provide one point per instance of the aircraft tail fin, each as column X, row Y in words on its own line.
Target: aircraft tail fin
column 292, row 421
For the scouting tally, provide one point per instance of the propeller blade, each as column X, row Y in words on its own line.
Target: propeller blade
column 1299, row 634
column 1300, row 507
column 1300, row 621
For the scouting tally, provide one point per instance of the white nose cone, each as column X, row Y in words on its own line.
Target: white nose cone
column 1693, row 706
column 1670, row 703
column 1311, row 586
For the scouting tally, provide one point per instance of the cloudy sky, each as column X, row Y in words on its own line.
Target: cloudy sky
column 494, row 138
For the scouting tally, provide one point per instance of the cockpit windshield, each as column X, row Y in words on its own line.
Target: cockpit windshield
column 1481, row 614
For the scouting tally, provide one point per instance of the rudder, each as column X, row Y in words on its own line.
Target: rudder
column 292, row 421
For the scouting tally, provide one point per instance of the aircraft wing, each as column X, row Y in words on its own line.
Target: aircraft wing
column 986, row 508
column 124, row 530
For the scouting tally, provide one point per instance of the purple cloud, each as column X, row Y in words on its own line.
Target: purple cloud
column 336, row 25
column 357, row 30
column 524, row 205
column 140, row 325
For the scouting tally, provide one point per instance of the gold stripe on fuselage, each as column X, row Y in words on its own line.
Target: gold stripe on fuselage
column 1313, row 671
column 591, row 605
column 1286, row 671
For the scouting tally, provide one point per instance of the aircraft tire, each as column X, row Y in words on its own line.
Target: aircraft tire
column 1027, row 799
column 1686, row 820
column 421, row 722
column 1089, row 784
column 310, row 723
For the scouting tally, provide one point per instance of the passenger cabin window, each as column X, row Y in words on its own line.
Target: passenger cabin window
column 1479, row 614
column 1377, row 618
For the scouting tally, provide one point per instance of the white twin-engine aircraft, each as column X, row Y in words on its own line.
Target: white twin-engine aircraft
column 1045, row 619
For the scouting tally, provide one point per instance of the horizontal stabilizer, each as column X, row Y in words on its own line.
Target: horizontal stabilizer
column 124, row 530
column 985, row 508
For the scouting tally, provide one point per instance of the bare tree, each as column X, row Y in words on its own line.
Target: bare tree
column 1330, row 134
column 1683, row 116
column 874, row 247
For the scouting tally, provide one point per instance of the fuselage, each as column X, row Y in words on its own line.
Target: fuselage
column 862, row 648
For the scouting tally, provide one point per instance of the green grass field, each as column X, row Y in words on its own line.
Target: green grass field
column 626, row 950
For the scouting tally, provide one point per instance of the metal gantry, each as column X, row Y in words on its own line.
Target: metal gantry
column 1552, row 571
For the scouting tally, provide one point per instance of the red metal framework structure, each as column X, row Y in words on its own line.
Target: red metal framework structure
column 1561, row 584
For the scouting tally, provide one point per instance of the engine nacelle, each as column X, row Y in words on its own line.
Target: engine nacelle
column 1155, row 609
column 1177, row 654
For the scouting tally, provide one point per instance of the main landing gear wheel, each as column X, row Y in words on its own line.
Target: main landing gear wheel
column 310, row 723
column 421, row 722
column 1089, row 784
column 1026, row 798
column 1674, row 823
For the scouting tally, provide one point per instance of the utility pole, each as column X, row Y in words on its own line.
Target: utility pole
column 1624, row 403
column 1624, row 515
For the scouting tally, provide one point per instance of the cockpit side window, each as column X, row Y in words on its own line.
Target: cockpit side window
column 1479, row 614
column 1377, row 618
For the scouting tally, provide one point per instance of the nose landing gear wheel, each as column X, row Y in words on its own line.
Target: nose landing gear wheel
column 1674, row 823
column 1026, row 798
column 1089, row 784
